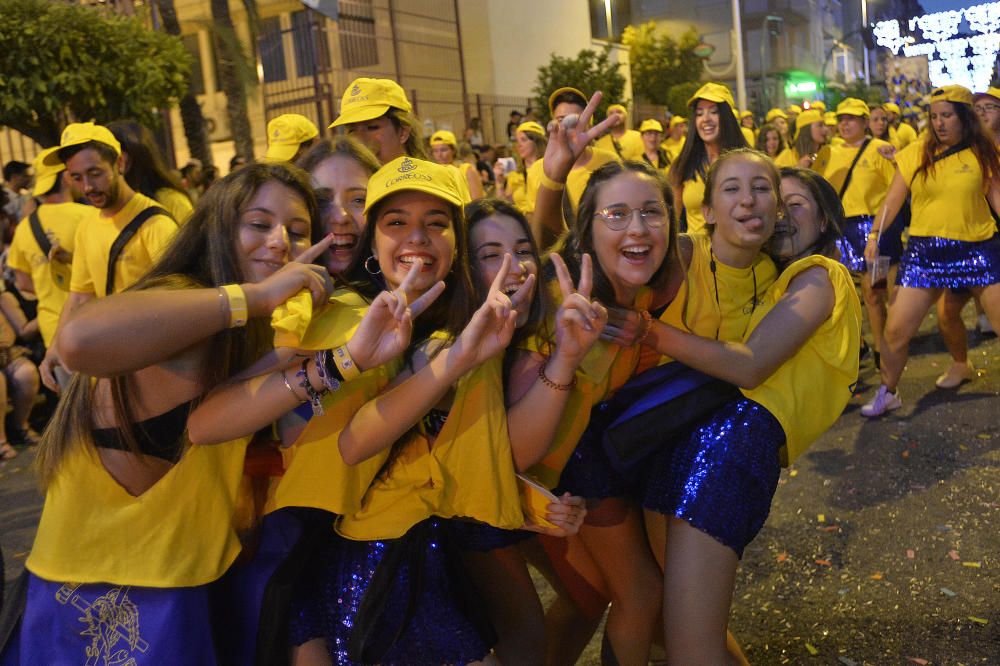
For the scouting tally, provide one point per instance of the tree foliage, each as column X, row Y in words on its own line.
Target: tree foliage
column 857, row 89
column 677, row 98
column 660, row 62
column 589, row 72
column 62, row 62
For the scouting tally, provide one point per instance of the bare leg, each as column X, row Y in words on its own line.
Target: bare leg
column 614, row 536
column 874, row 300
column 949, row 312
column 698, row 589
column 989, row 298
column 24, row 383
column 907, row 308
column 311, row 653
column 502, row 578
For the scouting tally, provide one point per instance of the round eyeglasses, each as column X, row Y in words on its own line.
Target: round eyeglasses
column 619, row 217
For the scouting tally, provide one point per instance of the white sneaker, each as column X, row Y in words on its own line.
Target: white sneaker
column 883, row 402
column 983, row 325
column 957, row 374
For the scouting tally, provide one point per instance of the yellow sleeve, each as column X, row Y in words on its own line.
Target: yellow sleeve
column 175, row 203
column 907, row 161
column 17, row 255
column 157, row 234
column 81, row 281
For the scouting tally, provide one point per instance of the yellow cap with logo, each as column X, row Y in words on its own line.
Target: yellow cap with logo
column 531, row 127
column 76, row 134
column 445, row 137
column 954, row 93
column 852, row 106
column 775, row 113
column 409, row 173
column 286, row 133
column 562, row 91
column 677, row 120
column 650, row 125
column 807, row 118
column 46, row 173
column 367, row 99
column 618, row 108
column 714, row 92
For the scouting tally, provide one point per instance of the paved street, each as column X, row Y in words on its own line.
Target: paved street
column 882, row 547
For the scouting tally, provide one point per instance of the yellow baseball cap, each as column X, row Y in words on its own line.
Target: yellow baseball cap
column 531, row 127
column 794, row 108
column 990, row 92
column 79, row 133
column 46, row 173
column 830, row 118
column 806, row 118
column 446, row 137
column 953, row 93
column 746, row 114
column 818, row 104
column 852, row 106
column 409, row 173
column 286, row 133
column 714, row 92
column 618, row 107
column 891, row 106
column 560, row 91
column 366, row 99
column 775, row 113
column 650, row 125
column 677, row 120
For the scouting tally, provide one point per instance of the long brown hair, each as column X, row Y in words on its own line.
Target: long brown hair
column 693, row 160
column 203, row 254
column 973, row 134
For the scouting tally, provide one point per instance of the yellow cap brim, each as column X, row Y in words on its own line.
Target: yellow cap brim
column 44, row 183
column 281, row 152
column 361, row 114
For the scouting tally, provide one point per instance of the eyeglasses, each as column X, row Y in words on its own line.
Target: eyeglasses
column 619, row 217
column 989, row 108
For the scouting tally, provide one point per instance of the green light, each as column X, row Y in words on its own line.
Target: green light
column 800, row 87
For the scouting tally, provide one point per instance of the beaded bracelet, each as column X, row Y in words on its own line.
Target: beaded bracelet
column 314, row 395
column 647, row 320
column 551, row 384
column 327, row 370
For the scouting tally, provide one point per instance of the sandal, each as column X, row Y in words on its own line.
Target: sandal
column 7, row 452
column 23, row 437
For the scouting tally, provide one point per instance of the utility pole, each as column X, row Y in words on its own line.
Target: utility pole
column 741, row 75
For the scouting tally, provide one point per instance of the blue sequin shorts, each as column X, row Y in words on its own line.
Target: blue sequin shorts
column 721, row 478
column 423, row 618
column 932, row 262
column 852, row 243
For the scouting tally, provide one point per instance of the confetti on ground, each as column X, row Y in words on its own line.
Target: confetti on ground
column 824, row 563
column 918, row 660
column 979, row 620
column 948, row 593
column 953, row 554
column 782, row 557
column 910, row 554
column 906, row 454
column 847, row 662
column 984, row 435
column 893, row 436
column 821, row 518
column 812, row 649
column 831, row 528
column 973, row 565
column 794, row 472
column 876, row 576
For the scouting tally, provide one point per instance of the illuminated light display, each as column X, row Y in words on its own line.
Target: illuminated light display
column 968, row 61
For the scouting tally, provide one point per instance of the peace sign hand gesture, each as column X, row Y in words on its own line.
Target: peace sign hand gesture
column 579, row 320
column 384, row 332
column 263, row 297
column 492, row 326
column 569, row 138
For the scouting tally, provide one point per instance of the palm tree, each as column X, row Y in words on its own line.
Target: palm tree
column 233, row 77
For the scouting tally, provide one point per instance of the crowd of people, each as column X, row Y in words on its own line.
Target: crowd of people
column 328, row 408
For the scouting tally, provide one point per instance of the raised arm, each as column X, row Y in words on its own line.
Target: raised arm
column 803, row 308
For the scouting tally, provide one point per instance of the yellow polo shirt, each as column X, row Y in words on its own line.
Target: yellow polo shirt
column 870, row 181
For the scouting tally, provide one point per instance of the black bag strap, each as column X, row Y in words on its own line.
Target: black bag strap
column 957, row 148
column 850, row 171
column 124, row 236
column 40, row 236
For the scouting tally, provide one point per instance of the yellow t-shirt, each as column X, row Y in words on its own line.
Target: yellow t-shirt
column 179, row 533
column 468, row 472
column 96, row 234
column 951, row 203
column 906, row 135
column 870, row 181
column 673, row 147
column 838, row 141
column 809, row 391
column 577, row 180
column 174, row 202
column 789, row 157
column 51, row 281
column 516, row 186
column 749, row 135
column 630, row 144
column 693, row 196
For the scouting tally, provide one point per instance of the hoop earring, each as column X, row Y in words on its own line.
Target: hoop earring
column 378, row 269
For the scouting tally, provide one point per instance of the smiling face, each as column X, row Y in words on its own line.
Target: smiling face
column 946, row 123
column 524, row 145
column 273, row 229
column 382, row 137
column 744, row 206
column 414, row 226
column 630, row 257
column 493, row 237
column 706, row 121
column 852, row 128
column 772, row 142
column 803, row 226
column 345, row 219
column 651, row 140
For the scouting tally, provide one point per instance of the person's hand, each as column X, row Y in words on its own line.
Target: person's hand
column 624, row 327
column 492, row 326
column 46, row 369
column 568, row 139
column 59, row 253
column 888, row 151
column 498, row 173
column 263, row 297
column 567, row 514
column 384, row 332
column 871, row 249
column 579, row 320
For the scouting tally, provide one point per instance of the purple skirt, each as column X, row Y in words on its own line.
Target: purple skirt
column 931, row 262
column 852, row 243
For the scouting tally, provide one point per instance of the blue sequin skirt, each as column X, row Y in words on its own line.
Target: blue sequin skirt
column 472, row 535
column 722, row 478
column 932, row 262
column 589, row 472
column 102, row 623
column 852, row 243
column 421, row 618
